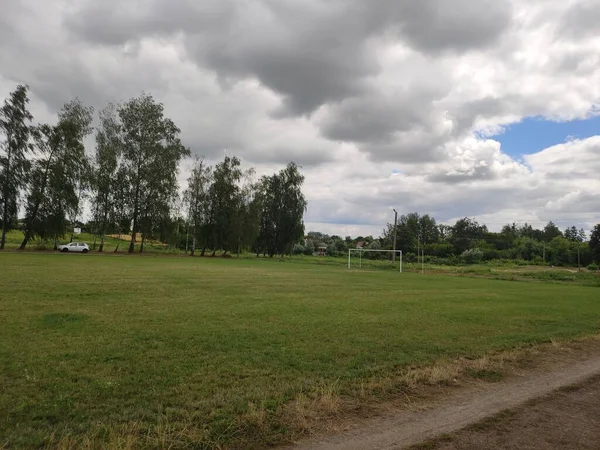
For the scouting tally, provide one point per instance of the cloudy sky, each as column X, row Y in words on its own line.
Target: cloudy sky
column 487, row 108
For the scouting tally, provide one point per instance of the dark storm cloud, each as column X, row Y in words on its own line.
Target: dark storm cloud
column 477, row 173
column 581, row 20
column 441, row 25
column 310, row 52
column 376, row 118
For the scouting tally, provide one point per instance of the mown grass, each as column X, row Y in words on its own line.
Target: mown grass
column 205, row 353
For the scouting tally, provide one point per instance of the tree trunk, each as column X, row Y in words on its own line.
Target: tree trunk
column 5, row 193
column 94, row 244
column 204, row 246
column 132, row 242
column 55, row 243
column 118, row 242
column 3, row 237
column 142, row 243
column 187, row 238
column 101, row 248
column 4, row 220
column 193, row 246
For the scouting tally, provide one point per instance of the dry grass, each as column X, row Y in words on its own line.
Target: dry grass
column 321, row 411
column 307, row 415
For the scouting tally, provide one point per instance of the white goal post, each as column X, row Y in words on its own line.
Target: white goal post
column 360, row 251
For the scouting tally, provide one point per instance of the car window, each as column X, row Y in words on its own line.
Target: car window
column 72, row 245
column 81, row 245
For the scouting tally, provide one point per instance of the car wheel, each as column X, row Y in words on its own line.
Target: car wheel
column 65, row 250
column 85, row 250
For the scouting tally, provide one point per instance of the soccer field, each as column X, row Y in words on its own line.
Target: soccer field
column 190, row 352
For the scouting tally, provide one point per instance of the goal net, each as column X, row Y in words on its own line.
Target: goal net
column 358, row 256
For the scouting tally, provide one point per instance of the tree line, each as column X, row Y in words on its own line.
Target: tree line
column 131, row 182
column 467, row 241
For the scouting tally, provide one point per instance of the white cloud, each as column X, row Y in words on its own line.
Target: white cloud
column 352, row 91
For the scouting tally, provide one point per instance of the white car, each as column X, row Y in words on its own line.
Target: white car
column 80, row 247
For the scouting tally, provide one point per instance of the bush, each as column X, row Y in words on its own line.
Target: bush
column 309, row 250
column 593, row 267
column 472, row 256
column 298, row 249
column 331, row 250
column 41, row 244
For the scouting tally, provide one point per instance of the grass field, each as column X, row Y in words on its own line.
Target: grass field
column 202, row 353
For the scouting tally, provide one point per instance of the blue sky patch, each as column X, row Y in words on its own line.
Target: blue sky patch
column 534, row 134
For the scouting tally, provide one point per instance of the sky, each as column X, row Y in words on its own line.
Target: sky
column 454, row 108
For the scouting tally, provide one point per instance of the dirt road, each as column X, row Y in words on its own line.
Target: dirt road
column 568, row 419
column 458, row 410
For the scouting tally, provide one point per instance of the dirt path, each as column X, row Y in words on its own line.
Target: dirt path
column 568, row 419
column 457, row 410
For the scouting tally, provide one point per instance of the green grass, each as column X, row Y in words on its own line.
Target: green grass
column 207, row 352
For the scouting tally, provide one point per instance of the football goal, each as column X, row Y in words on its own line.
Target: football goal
column 357, row 253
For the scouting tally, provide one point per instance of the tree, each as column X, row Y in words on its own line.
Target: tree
column 413, row 232
column 464, row 234
column 594, row 243
column 106, row 165
column 508, row 235
column 284, row 205
column 574, row 235
column 56, row 174
column 224, row 197
column 197, row 202
column 151, row 155
column 120, row 214
column 248, row 216
column 551, row 231
column 14, row 164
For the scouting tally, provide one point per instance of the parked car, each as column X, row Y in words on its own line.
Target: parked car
column 80, row 247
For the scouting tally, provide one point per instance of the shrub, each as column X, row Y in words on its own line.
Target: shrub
column 593, row 267
column 309, row 250
column 331, row 250
column 472, row 256
column 299, row 249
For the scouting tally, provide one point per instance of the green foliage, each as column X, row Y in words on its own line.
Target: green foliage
column 593, row 267
column 551, row 231
column 107, row 177
column 14, row 162
column 472, row 256
column 299, row 249
column 413, row 231
column 151, row 152
column 59, row 174
column 465, row 233
column 332, row 250
column 283, row 208
column 594, row 243
column 309, row 248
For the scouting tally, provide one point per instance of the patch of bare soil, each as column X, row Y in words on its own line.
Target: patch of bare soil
column 446, row 410
column 567, row 419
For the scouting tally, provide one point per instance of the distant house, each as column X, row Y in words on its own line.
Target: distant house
column 360, row 244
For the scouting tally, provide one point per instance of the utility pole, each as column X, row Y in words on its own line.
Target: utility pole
column 544, row 253
column 395, row 229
